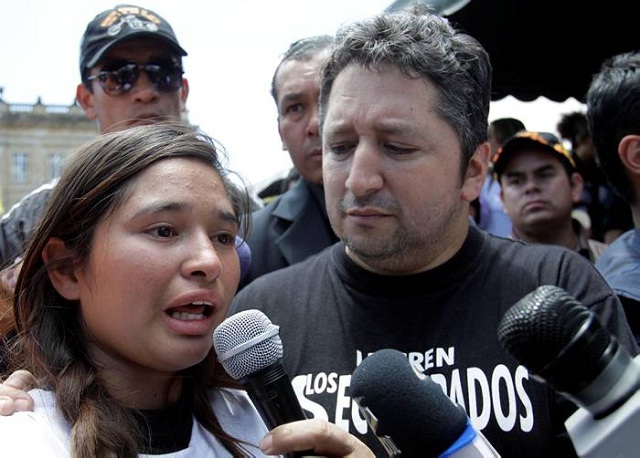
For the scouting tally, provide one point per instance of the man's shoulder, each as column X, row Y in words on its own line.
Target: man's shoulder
column 261, row 216
column 628, row 241
column 619, row 264
column 18, row 223
column 32, row 203
column 624, row 250
column 287, row 205
column 519, row 256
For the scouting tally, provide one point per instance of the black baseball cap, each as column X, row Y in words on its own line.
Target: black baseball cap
column 121, row 23
column 524, row 139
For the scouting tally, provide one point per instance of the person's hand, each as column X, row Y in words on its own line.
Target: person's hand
column 13, row 392
column 321, row 436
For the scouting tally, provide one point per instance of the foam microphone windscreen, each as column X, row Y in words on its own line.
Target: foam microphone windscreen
column 246, row 343
column 414, row 412
column 556, row 337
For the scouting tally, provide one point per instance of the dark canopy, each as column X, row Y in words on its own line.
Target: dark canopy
column 548, row 48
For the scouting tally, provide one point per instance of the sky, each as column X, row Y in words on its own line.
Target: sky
column 234, row 47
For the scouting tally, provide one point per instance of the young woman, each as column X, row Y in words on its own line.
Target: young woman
column 131, row 269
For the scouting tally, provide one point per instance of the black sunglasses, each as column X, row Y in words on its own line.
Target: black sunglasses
column 165, row 77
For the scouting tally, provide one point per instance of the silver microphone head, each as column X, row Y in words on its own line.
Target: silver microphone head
column 247, row 342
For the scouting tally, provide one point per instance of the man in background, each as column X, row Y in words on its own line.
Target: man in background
column 492, row 217
column 294, row 225
column 131, row 73
column 613, row 112
column 539, row 187
column 608, row 214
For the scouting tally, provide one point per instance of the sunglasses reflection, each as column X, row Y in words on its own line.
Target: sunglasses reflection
column 119, row 78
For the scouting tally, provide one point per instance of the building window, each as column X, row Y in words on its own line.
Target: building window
column 19, row 168
column 56, row 163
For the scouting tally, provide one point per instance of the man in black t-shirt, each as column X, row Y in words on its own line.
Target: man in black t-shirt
column 404, row 103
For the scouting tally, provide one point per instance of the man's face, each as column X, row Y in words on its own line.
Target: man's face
column 392, row 175
column 537, row 193
column 144, row 103
column 297, row 86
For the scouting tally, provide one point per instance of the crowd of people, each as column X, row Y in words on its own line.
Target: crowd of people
column 116, row 275
column 109, row 382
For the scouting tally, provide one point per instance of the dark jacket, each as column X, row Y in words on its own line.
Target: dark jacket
column 20, row 221
column 289, row 229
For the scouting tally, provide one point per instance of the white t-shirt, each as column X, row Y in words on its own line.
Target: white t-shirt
column 44, row 434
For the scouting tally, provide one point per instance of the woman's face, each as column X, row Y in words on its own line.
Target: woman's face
column 162, row 271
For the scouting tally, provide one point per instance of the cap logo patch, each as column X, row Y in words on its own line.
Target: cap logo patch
column 136, row 18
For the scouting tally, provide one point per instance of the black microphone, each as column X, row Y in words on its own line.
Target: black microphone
column 411, row 416
column 249, row 348
column 563, row 343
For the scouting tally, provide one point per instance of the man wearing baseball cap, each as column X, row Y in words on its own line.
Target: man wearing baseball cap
column 131, row 73
column 131, row 69
column 539, row 189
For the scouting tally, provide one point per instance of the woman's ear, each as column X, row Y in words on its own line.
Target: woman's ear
column 62, row 276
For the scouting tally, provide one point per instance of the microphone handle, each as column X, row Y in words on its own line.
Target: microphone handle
column 271, row 392
column 615, row 434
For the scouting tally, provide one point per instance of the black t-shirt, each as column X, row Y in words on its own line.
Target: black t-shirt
column 332, row 313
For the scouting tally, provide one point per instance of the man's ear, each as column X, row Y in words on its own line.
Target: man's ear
column 476, row 172
column 184, row 94
column 629, row 153
column 284, row 145
column 85, row 99
column 577, row 184
column 63, row 278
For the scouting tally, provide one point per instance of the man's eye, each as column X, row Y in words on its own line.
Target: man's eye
column 340, row 149
column 293, row 109
column 395, row 149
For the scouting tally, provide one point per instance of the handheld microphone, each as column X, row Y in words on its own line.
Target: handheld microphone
column 564, row 344
column 249, row 348
column 411, row 416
